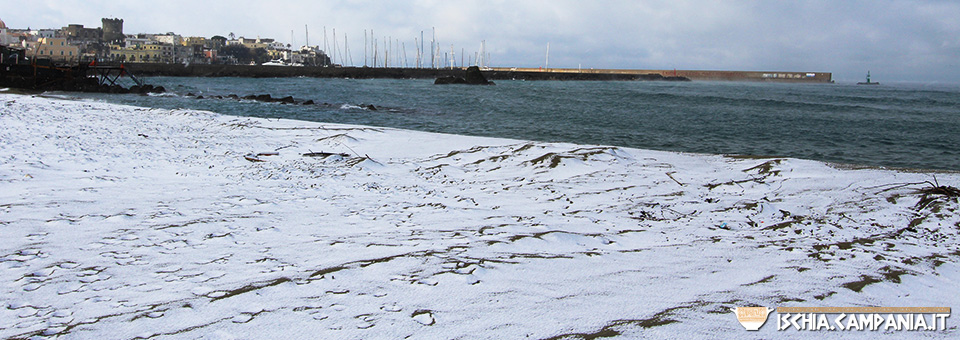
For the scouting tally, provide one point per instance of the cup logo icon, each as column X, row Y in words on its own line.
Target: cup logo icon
column 751, row 318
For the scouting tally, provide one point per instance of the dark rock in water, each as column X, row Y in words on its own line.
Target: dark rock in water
column 190, row 94
column 264, row 98
column 308, row 102
column 449, row 80
column 217, row 97
column 199, row 97
column 370, row 107
column 233, row 96
column 250, row 97
column 149, row 89
column 287, row 100
column 473, row 76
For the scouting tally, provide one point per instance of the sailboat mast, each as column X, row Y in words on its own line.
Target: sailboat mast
column 335, row 45
column 548, row 57
column 346, row 50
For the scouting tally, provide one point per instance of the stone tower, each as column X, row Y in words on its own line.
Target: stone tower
column 113, row 30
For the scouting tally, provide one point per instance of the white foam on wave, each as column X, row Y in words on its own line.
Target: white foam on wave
column 352, row 107
column 165, row 94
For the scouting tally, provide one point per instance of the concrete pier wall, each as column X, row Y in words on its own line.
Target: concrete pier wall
column 711, row 75
column 204, row 70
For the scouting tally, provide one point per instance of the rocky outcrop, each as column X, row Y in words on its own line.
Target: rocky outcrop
column 475, row 77
column 449, row 80
column 147, row 88
column 472, row 76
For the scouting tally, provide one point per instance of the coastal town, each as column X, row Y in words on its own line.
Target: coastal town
column 382, row 57
column 75, row 43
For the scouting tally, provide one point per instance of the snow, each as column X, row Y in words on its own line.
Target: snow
column 127, row 222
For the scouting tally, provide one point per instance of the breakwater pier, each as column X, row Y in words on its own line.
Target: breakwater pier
column 498, row 73
column 701, row 75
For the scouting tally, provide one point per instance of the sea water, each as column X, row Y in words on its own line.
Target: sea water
column 900, row 125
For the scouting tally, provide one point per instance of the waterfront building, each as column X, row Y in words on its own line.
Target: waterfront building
column 147, row 53
column 169, row 39
column 195, row 41
column 133, row 41
column 43, row 33
column 252, row 43
column 55, row 49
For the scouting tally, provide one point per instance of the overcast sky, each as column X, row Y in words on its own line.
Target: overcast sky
column 895, row 40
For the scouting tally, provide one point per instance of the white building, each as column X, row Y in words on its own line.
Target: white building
column 133, row 41
column 276, row 45
column 169, row 39
column 44, row 33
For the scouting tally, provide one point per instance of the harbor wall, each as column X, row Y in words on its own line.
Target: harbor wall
column 703, row 75
column 259, row 71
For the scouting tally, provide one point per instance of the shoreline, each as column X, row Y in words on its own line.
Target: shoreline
column 134, row 221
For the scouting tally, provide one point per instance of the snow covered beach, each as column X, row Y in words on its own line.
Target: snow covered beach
column 126, row 222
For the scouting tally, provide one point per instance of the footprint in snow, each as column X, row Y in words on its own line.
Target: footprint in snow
column 424, row 317
column 365, row 321
column 391, row 308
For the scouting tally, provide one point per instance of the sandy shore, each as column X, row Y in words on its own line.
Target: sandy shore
column 126, row 222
